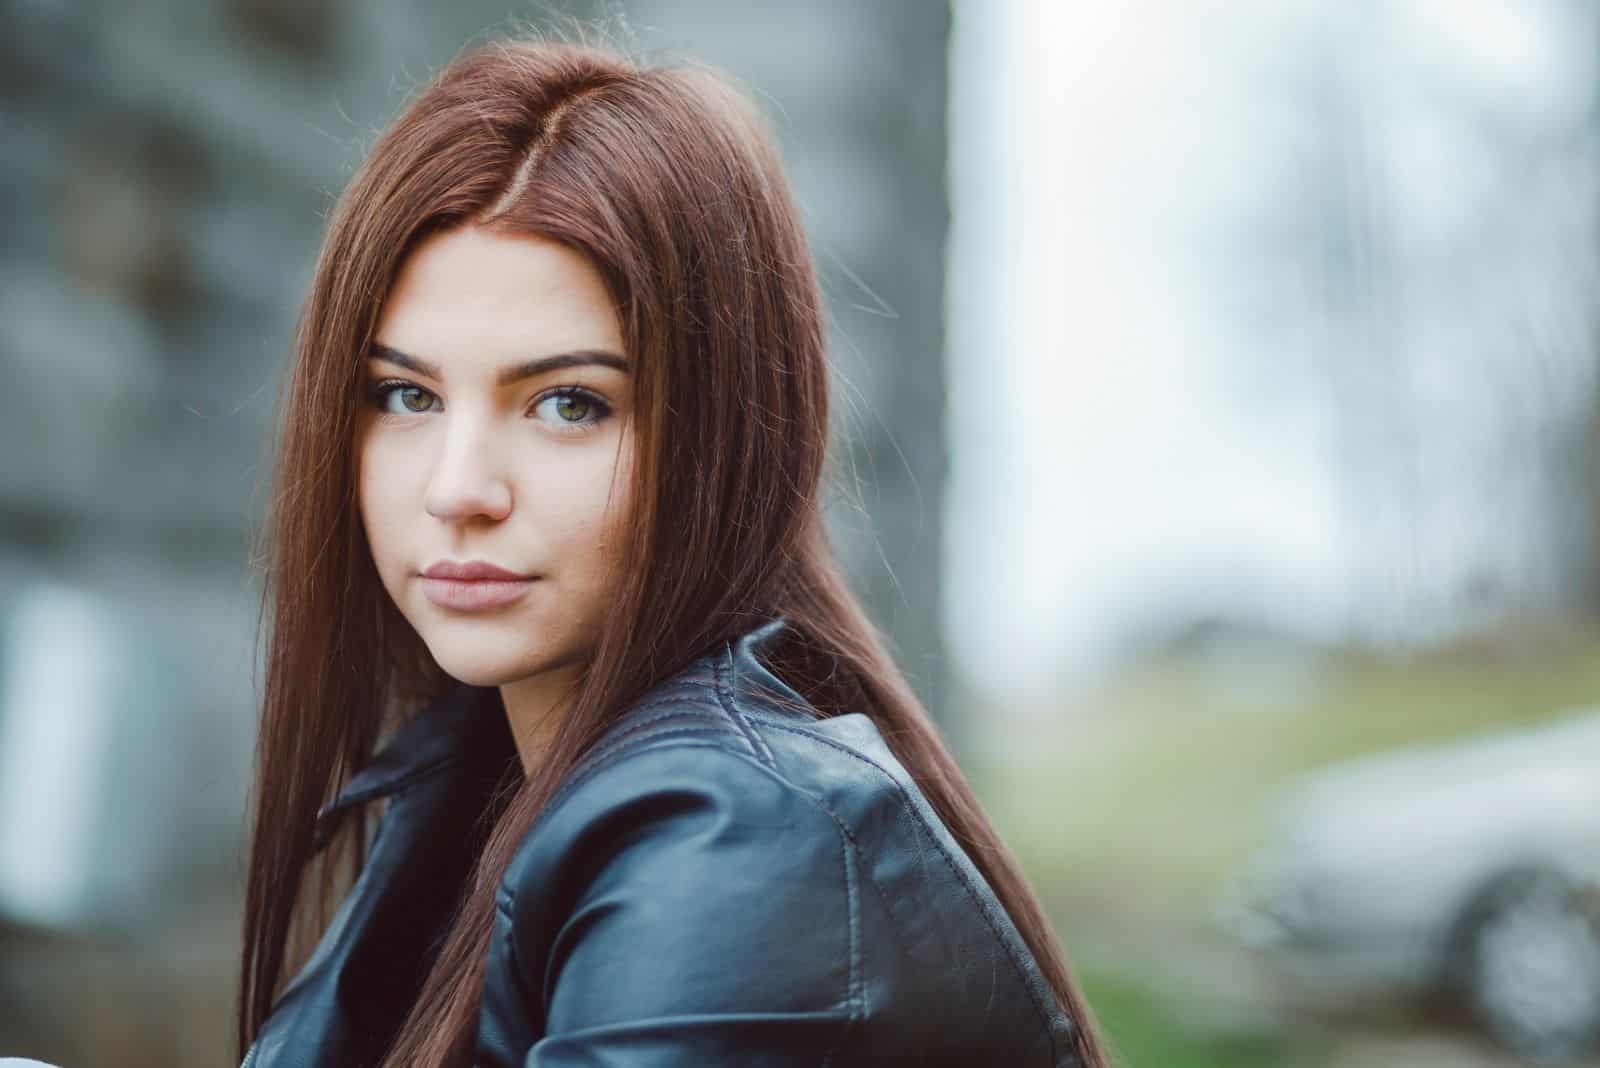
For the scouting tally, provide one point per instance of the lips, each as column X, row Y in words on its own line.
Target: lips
column 474, row 586
column 471, row 570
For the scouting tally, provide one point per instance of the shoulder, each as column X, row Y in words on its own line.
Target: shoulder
column 711, row 743
column 730, row 869
column 726, row 725
column 678, row 869
column 727, row 712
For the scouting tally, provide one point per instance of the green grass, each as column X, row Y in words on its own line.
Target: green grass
column 1148, row 1031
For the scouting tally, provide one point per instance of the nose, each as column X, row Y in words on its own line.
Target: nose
column 466, row 481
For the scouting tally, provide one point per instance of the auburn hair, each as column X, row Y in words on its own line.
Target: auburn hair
column 666, row 178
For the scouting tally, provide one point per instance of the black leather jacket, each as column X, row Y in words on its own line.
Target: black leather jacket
column 719, row 882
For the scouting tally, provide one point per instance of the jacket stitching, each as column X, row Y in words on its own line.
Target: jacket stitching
column 720, row 674
column 671, row 708
column 877, row 889
column 844, row 828
column 606, row 756
column 857, row 988
column 680, row 710
column 961, row 877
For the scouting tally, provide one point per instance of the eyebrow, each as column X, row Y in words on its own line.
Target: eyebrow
column 508, row 375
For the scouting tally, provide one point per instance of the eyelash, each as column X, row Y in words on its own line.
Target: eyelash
column 379, row 393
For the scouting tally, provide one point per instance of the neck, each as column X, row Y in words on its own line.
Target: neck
column 534, row 706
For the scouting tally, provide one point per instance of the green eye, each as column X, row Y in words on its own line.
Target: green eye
column 572, row 408
column 414, row 400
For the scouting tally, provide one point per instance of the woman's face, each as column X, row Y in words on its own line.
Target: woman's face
column 496, row 430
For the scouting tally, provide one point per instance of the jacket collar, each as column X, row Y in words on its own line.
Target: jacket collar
column 749, row 678
column 464, row 722
column 470, row 721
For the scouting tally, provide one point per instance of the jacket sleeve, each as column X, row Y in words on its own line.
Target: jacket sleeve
column 712, row 919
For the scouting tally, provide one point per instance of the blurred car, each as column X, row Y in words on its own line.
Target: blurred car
column 1469, row 869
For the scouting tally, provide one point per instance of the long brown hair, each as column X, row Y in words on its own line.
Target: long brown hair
column 666, row 178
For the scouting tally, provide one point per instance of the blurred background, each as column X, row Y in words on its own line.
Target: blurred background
column 1217, row 395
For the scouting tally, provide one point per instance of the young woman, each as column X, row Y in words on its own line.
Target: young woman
column 560, row 663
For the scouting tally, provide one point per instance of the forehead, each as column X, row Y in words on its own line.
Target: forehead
column 470, row 294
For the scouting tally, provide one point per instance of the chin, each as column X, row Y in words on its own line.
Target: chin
column 477, row 668
column 477, row 658
column 480, row 673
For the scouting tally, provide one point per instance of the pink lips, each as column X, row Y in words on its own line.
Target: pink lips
column 474, row 586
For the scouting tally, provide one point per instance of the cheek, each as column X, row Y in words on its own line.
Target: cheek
column 381, row 493
column 575, row 509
